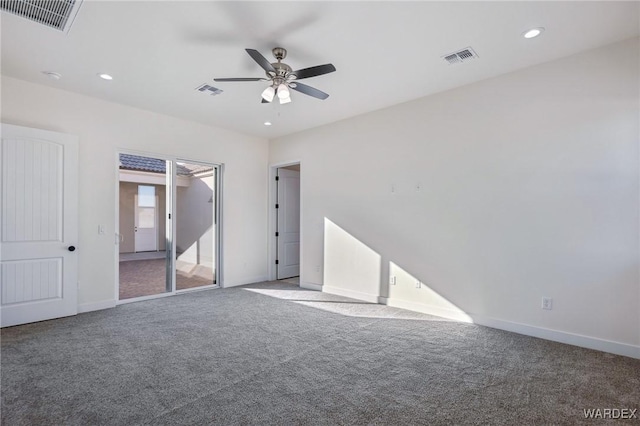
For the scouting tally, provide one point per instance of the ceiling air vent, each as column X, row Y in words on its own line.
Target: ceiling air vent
column 57, row 14
column 463, row 55
column 209, row 90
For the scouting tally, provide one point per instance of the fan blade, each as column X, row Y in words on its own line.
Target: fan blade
column 238, row 79
column 261, row 60
column 314, row 71
column 264, row 101
column 308, row 90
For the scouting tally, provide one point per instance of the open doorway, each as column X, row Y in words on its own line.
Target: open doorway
column 169, row 239
column 288, row 223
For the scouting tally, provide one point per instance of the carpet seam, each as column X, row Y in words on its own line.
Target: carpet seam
column 270, row 367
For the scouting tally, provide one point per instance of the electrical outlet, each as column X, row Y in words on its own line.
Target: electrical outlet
column 392, row 280
column 318, row 268
column 418, row 285
column 547, row 303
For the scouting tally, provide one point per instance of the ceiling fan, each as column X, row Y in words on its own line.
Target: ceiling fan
column 282, row 77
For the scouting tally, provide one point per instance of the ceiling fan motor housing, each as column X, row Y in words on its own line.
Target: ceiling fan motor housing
column 282, row 70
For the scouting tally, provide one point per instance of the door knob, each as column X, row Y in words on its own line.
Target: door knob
column 72, row 248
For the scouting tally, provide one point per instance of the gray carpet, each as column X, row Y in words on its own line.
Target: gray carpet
column 275, row 354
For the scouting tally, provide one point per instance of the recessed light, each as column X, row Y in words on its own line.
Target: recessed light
column 267, row 123
column 105, row 76
column 52, row 75
column 533, row 32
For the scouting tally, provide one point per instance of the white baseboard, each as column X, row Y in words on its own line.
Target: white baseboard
column 528, row 330
column 598, row 344
column 311, row 286
column 371, row 298
column 96, row 306
column 624, row 349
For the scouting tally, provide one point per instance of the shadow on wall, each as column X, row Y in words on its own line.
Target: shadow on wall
column 353, row 269
column 195, row 220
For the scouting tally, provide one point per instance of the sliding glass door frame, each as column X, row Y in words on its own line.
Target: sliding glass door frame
column 217, row 228
column 170, row 219
column 170, row 224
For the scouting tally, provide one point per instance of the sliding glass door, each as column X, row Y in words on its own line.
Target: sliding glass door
column 143, row 200
column 195, row 225
column 169, row 235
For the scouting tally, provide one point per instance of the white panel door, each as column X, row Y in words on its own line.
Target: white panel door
column 146, row 221
column 39, row 225
column 288, row 223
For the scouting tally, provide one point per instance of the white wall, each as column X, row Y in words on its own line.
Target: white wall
column 105, row 127
column 504, row 191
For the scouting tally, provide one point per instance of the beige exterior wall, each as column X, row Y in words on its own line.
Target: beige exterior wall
column 128, row 191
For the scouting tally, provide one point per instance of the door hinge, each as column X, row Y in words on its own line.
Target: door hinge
column 277, row 177
column 277, row 261
column 277, row 206
column 277, row 234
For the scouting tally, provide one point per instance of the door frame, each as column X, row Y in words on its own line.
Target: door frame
column 170, row 208
column 273, row 222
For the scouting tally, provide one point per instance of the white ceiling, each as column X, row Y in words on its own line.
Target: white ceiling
column 385, row 52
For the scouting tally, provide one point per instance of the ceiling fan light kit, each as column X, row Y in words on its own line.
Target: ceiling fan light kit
column 281, row 77
column 283, row 92
column 268, row 94
column 285, row 100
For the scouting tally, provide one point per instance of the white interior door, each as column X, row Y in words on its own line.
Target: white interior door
column 38, row 261
column 146, row 220
column 288, row 224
